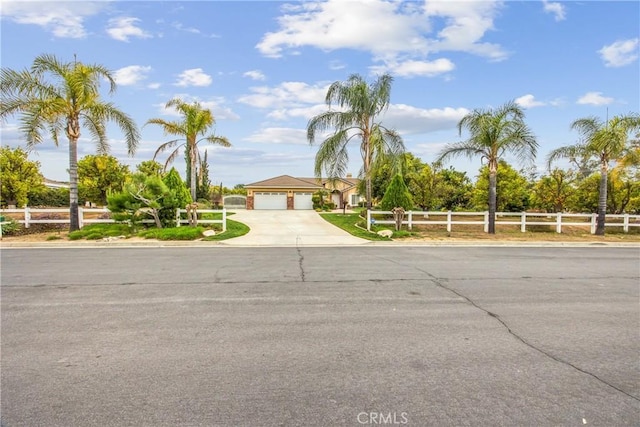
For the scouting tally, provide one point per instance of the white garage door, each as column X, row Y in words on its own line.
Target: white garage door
column 270, row 201
column 302, row 201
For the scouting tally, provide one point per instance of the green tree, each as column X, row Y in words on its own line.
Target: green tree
column 551, row 192
column 492, row 134
column 142, row 195
column 512, row 189
column 604, row 141
column 98, row 175
column 359, row 106
column 203, row 190
column 397, row 195
column 18, row 176
column 179, row 197
column 196, row 122
column 63, row 97
column 452, row 189
column 150, row 167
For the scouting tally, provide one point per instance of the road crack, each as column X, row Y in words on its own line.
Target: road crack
column 438, row 282
column 300, row 260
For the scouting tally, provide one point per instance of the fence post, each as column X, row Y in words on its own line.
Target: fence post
column 27, row 217
column 625, row 223
column 368, row 220
column 80, row 216
column 593, row 223
column 410, row 219
column 448, row 221
column 224, row 220
column 523, row 222
column 178, row 217
column 559, row 222
column 486, row 222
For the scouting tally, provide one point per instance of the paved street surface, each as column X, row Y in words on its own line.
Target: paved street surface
column 223, row 336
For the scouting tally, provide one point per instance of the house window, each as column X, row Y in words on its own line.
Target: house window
column 355, row 199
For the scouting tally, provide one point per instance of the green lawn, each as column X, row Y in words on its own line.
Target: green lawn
column 348, row 222
column 100, row 231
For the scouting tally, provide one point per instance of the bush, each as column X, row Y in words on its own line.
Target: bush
column 49, row 197
column 175, row 233
column 11, row 228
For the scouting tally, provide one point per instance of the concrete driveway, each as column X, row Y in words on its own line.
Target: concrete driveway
column 289, row 228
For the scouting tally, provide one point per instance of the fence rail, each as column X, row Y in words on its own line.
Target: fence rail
column 553, row 219
column 86, row 216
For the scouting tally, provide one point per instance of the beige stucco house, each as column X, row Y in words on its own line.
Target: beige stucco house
column 287, row 192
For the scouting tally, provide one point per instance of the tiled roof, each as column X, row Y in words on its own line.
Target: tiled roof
column 286, row 181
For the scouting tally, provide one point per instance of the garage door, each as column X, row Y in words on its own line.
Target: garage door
column 302, row 201
column 263, row 201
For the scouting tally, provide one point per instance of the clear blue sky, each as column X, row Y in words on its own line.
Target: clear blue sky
column 263, row 68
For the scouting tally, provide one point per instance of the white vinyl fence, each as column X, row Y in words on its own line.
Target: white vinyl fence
column 28, row 216
column 523, row 219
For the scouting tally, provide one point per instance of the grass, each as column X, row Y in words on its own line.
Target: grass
column 173, row 233
column 234, row 229
column 348, row 222
column 101, row 231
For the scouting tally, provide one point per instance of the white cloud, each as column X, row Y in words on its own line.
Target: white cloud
column 620, row 53
column 255, row 75
column 594, row 98
column 557, row 9
column 275, row 135
column 285, row 95
column 178, row 26
column 194, row 77
column 215, row 104
column 124, row 27
column 131, row 75
column 62, row 19
column 336, row 65
column 407, row 119
column 529, row 101
column 154, row 85
column 413, row 68
column 298, row 112
column 395, row 33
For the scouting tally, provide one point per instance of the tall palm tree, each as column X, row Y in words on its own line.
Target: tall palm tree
column 605, row 141
column 359, row 106
column 492, row 134
column 196, row 121
column 54, row 96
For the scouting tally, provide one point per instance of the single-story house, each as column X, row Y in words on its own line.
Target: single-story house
column 287, row 192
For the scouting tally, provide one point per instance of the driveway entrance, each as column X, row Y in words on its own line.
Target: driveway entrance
column 289, row 228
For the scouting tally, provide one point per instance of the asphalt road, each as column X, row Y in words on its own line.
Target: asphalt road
column 421, row 336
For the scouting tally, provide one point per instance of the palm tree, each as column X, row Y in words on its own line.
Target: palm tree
column 55, row 97
column 196, row 122
column 359, row 105
column 605, row 141
column 493, row 133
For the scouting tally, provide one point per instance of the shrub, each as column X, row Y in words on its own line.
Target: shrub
column 397, row 195
column 12, row 227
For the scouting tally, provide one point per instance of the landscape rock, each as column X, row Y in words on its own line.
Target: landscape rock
column 208, row 233
column 385, row 233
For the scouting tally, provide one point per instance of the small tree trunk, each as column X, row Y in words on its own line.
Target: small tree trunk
column 194, row 182
column 156, row 217
column 602, row 200
column 74, row 219
column 493, row 172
